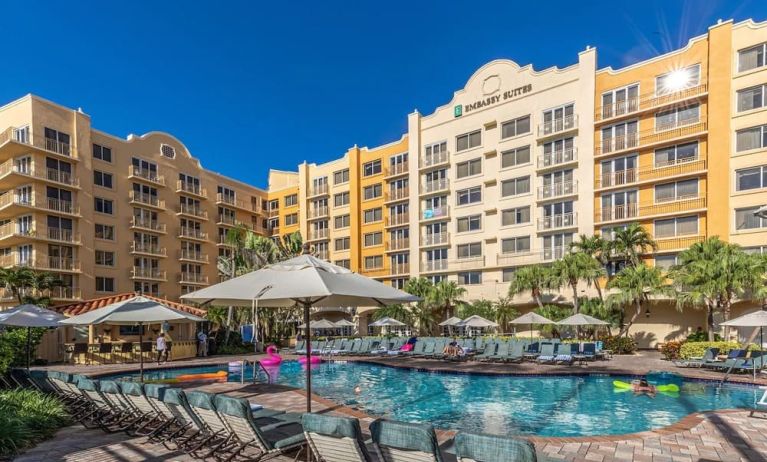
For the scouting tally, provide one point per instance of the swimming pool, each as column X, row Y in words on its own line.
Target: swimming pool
column 564, row 406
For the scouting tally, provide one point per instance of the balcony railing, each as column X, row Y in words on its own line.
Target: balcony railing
column 228, row 199
column 518, row 258
column 42, row 262
column 192, row 278
column 192, row 233
column 193, row 211
column 659, row 171
column 397, row 219
column 191, row 188
column 400, row 268
column 318, row 190
column 226, row 220
column 646, row 138
column 148, row 273
column 398, row 169
column 39, row 201
column 56, row 293
column 435, row 239
column 398, row 244
column 557, row 158
column 192, row 255
column 554, row 253
column 677, row 243
column 435, row 185
column 57, row 234
column 58, row 147
column 559, row 125
column 148, row 225
column 49, row 174
column 146, row 199
column 468, row 263
column 555, row 190
column 318, row 234
column 148, row 249
column 564, row 220
column 273, row 230
column 434, row 265
column 438, row 158
column 646, row 102
column 634, row 210
column 397, row 194
column 41, row 142
column 145, row 174
column 436, row 212
column 318, row 212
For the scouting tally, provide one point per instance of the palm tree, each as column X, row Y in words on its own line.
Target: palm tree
column 534, row 279
column 504, row 312
column 634, row 285
column 424, row 316
column 446, row 297
column 632, row 242
column 597, row 248
column 571, row 269
column 484, row 308
column 398, row 312
column 18, row 280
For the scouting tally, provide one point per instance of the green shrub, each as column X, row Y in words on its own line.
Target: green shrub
column 697, row 349
column 242, row 348
column 620, row 345
column 702, row 337
column 27, row 417
column 13, row 346
column 670, row 350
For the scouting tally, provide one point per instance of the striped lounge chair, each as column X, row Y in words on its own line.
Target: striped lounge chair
column 476, row 447
column 335, row 439
column 404, row 442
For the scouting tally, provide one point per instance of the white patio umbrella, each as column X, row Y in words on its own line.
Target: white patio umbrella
column 344, row 323
column 477, row 321
column 531, row 318
column 454, row 321
column 754, row 319
column 582, row 320
column 306, row 281
column 135, row 311
column 30, row 316
column 387, row 322
column 319, row 324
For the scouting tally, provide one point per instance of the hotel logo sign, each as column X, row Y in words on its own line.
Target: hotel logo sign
column 460, row 110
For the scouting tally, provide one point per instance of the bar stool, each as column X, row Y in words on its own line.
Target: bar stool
column 104, row 350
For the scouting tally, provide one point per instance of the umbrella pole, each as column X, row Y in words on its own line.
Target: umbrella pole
column 29, row 345
column 308, row 339
column 141, row 351
column 255, row 322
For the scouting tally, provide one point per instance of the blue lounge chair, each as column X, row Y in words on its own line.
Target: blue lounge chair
column 404, row 442
column 565, row 352
column 547, row 353
column 334, row 438
column 488, row 352
column 428, row 348
column 590, row 351
column 476, row 447
column 708, row 356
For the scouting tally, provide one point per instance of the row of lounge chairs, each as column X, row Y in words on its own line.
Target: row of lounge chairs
column 208, row 425
column 739, row 360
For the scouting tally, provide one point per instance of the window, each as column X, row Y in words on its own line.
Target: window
column 673, row 227
column 752, row 58
column 102, row 153
column 57, row 141
column 676, row 191
column 372, row 191
column 515, row 244
column 620, row 136
column 618, row 171
column 341, row 176
column 558, row 119
column 678, row 154
column 341, row 221
column 273, row 205
column 106, row 232
column 470, row 278
column 469, row 168
column 168, row 151
column 373, row 239
column 677, row 80
column 291, row 219
column 751, row 138
column 373, row 215
column 620, row 101
column 508, row 274
column 468, row 141
column 104, row 258
column 514, row 157
column 516, row 216
column 470, row 250
column 515, row 127
column 374, row 262
column 677, row 117
column 341, row 199
column 102, row 179
column 291, row 200
column 102, row 205
column 745, row 219
column 342, row 243
column 620, row 205
column 346, row 263
column 751, row 178
column 371, row 168
column 751, row 98
column 555, row 246
column 398, row 283
column 470, row 196
column 471, row 223
column 398, row 163
column 515, row 186
column 436, row 152
column 665, row 262
column 106, row 285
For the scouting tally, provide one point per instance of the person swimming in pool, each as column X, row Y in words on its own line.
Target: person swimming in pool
column 642, row 386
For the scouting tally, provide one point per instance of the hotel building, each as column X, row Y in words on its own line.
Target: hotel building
column 507, row 173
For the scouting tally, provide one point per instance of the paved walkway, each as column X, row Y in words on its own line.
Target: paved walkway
column 716, row 436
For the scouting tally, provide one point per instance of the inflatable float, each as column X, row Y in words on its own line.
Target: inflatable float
column 272, row 358
column 669, row 388
column 220, row 375
column 314, row 360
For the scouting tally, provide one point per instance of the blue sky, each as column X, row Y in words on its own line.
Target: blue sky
column 253, row 85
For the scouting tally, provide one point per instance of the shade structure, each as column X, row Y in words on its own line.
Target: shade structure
column 477, row 321
column 136, row 311
column 454, row 321
column 30, row 316
column 320, row 324
column 582, row 320
column 754, row 319
column 305, row 281
column 387, row 322
column 531, row 318
column 344, row 323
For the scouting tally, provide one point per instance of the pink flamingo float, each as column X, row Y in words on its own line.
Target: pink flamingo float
column 272, row 358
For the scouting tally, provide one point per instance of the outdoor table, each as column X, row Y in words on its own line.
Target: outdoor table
column 530, row 356
column 580, row 358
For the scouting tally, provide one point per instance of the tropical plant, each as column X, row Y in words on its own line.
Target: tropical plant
column 505, row 312
column 483, row 308
column 554, row 313
column 534, row 279
column 573, row 268
column 27, row 417
column 631, row 242
column 28, row 285
column 597, row 308
column 634, row 285
column 597, row 248
column 445, row 298
column 399, row 312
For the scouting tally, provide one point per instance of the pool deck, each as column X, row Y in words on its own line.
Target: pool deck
column 715, row 436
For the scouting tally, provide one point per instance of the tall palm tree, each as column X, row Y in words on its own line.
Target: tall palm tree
column 634, row 285
column 424, row 316
column 632, row 242
column 446, row 297
column 534, row 279
column 18, row 280
column 597, row 248
column 504, row 312
column 573, row 268
column 398, row 312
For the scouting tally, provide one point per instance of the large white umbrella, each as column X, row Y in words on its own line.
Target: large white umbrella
column 387, row 322
column 320, row 324
column 306, row 281
column 582, row 320
column 135, row 311
column 477, row 321
column 531, row 318
column 454, row 321
column 30, row 316
column 344, row 323
column 754, row 319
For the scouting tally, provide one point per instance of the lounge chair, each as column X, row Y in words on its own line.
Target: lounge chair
column 734, row 358
column 300, row 348
column 488, row 352
column 149, row 419
column 590, row 351
column 351, row 347
column 428, row 348
column 501, row 353
column 215, row 431
column 564, row 353
column 479, row 344
column 439, row 347
column 417, row 349
column 188, row 428
column 245, row 434
column 335, row 439
column 476, row 447
column 404, row 442
column 708, row 356
column 516, row 353
column 547, row 354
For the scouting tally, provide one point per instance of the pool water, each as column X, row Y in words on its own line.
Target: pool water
column 537, row 405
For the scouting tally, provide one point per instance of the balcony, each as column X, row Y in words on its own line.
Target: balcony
column 677, row 243
column 434, row 186
column 11, row 168
column 192, row 256
column 468, row 263
column 185, row 187
column 557, row 190
column 647, row 138
column 317, row 212
column 192, row 278
column 141, row 248
column 400, row 269
column 192, row 211
column 435, row 213
column 149, row 274
column 397, row 194
column 226, row 199
column 318, row 234
column 435, row 159
column 558, row 126
column 273, row 230
column 429, row 266
column 145, row 174
column 226, row 220
column 557, row 158
column 149, row 200
column 397, row 169
column 10, row 200
column 10, row 233
column 646, row 102
column 19, row 144
column 555, row 222
column 56, row 293
column 42, row 262
column 271, row 213
column 430, row 239
column 634, row 211
column 145, row 224
column 663, row 171
column 518, row 258
column 397, row 219
column 320, row 190
column 554, row 253
column 398, row 244
column 192, row 233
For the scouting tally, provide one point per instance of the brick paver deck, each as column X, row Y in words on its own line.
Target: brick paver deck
column 716, row 436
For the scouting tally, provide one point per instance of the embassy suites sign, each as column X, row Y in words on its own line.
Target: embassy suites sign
column 460, row 110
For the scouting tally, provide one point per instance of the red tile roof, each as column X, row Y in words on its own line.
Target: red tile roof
column 73, row 309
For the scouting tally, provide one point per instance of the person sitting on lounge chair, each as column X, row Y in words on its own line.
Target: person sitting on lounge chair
column 453, row 350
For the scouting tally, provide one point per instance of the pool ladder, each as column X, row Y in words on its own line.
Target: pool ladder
column 256, row 364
